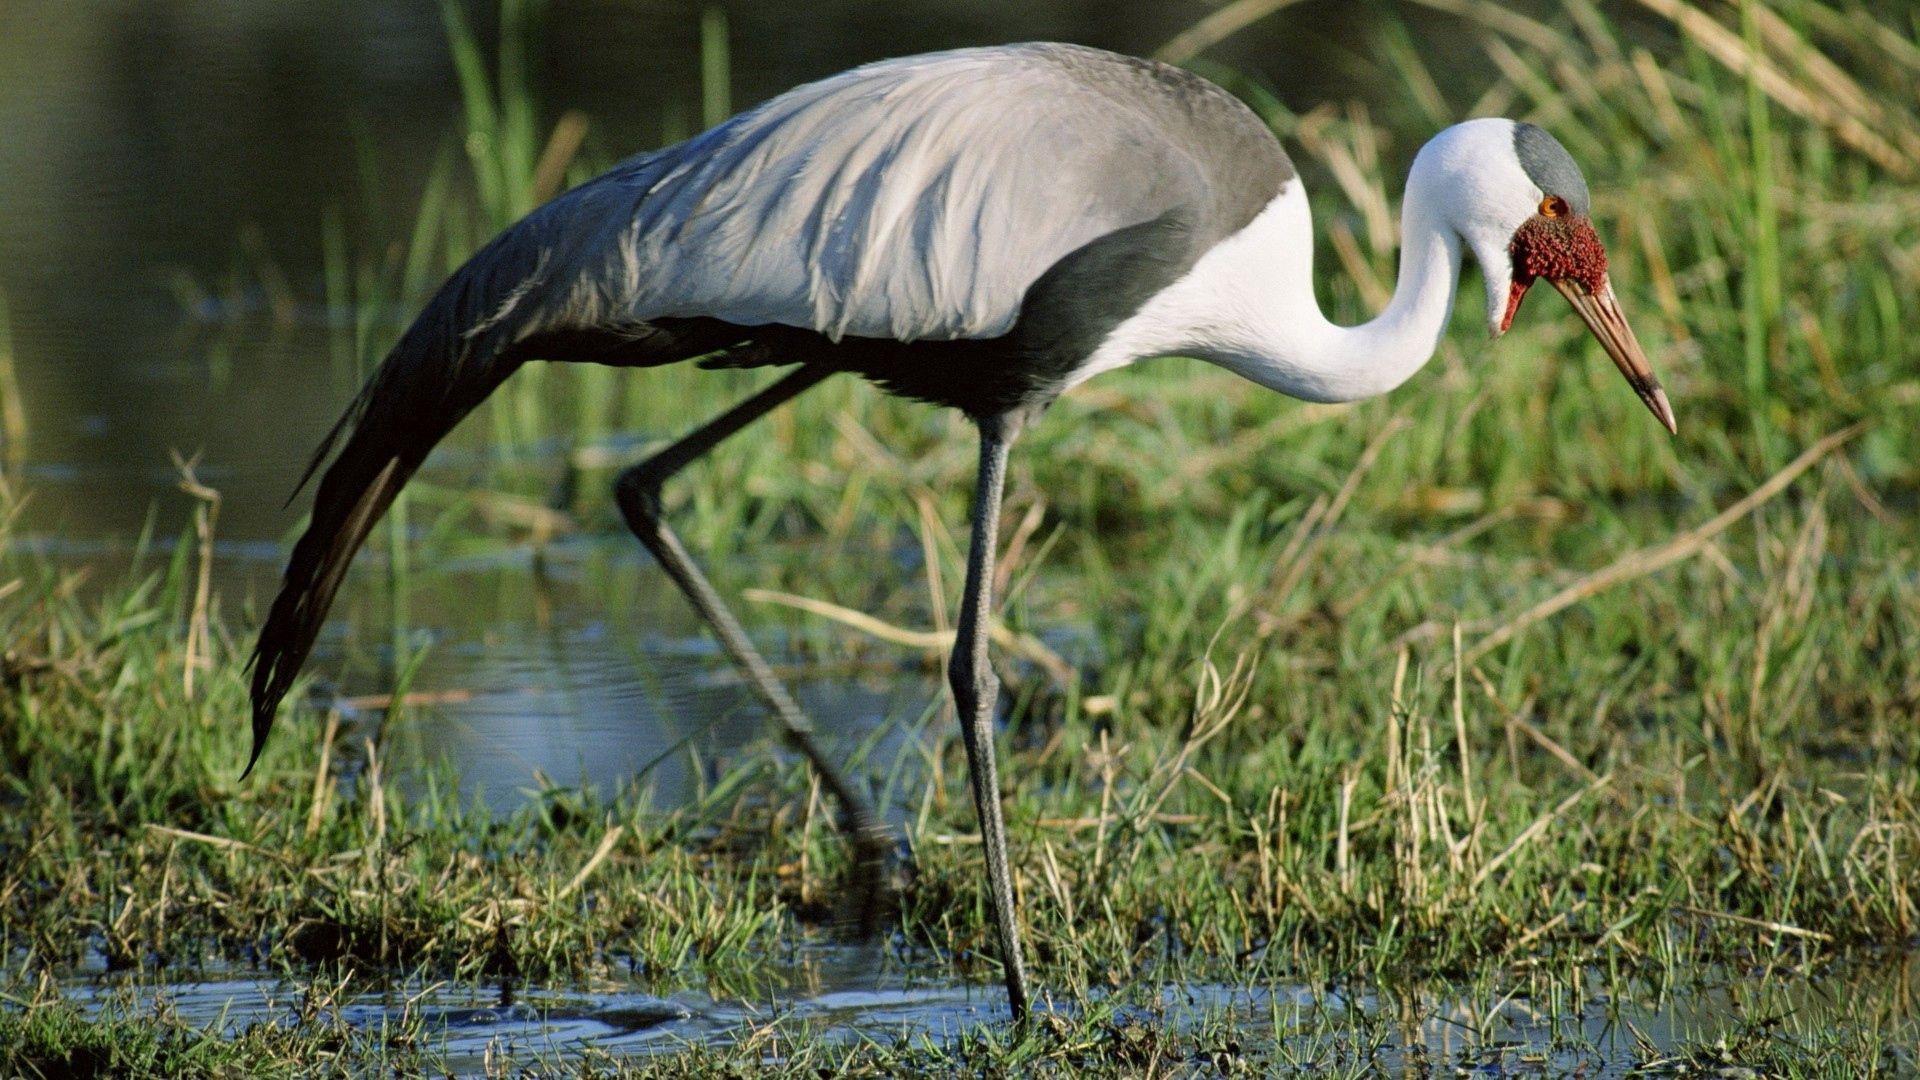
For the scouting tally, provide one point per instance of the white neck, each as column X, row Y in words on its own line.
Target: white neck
column 1248, row 305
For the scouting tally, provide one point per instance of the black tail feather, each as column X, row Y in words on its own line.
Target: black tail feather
column 459, row 349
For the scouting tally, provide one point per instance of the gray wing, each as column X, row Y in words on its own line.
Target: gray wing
column 909, row 199
column 913, row 199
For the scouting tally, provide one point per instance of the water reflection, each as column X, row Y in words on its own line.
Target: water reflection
column 857, row 995
column 586, row 668
column 586, row 707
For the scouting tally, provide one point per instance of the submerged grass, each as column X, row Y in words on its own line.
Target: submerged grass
column 1487, row 685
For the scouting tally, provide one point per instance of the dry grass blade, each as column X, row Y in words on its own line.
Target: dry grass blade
column 205, row 514
column 1348, row 151
column 1025, row 645
column 1217, row 27
column 1725, row 46
column 226, row 842
column 1533, row 831
column 599, row 856
column 858, row 620
column 1652, row 560
column 1520, row 944
column 1855, row 23
column 550, row 174
column 323, row 777
column 1764, row 924
column 931, row 531
column 1511, row 23
column 13, row 409
column 1833, row 82
column 412, row 699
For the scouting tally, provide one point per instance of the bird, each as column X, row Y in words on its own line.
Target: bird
column 981, row 229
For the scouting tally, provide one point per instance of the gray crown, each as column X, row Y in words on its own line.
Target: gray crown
column 1550, row 166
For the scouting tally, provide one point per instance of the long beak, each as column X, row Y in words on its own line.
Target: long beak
column 1602, row 315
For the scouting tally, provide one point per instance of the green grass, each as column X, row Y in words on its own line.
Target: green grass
column 1320, row 740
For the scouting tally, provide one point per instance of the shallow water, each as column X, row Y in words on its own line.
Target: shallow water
column 847, row 993
column 604, row 699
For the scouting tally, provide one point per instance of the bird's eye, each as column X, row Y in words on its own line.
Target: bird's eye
column 1553, row 206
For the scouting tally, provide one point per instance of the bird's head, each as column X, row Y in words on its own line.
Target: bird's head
column 1513, row 193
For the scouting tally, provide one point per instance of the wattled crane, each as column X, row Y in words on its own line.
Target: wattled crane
column 982, row 229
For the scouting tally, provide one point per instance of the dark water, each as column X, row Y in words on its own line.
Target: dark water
column 590, row 670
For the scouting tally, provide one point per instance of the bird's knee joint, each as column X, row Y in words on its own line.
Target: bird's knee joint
column 638, row 492
column 972, row 684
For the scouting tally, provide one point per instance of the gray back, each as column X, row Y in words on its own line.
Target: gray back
column 912, row 199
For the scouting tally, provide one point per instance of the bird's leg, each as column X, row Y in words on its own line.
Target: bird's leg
column 976, row 690
column 638, row 494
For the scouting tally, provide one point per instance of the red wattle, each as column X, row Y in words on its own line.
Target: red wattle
column 1516, row 292
column 1558, row 249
